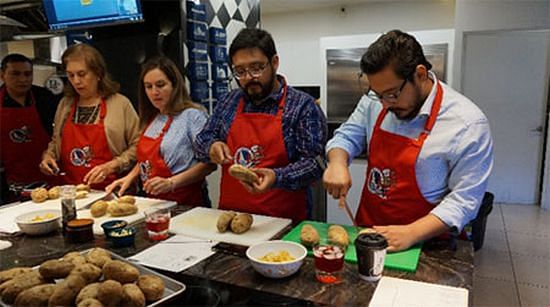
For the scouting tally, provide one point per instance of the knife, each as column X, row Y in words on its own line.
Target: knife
column 342, row 203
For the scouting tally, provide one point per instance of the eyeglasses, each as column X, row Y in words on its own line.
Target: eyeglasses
column 388, row 97
column 254, row 71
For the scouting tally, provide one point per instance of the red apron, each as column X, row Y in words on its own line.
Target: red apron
column 151, row 164
column 391, row 195
column 256, row 139
column 84, row 146
column 23, row 141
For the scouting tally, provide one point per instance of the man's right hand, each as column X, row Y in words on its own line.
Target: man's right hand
column 48, row 165
column 336, row 178
column 220, row 153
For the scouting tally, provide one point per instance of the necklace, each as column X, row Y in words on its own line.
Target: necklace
column 86, row 115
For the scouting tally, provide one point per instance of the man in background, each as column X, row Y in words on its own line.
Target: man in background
column 26, row 116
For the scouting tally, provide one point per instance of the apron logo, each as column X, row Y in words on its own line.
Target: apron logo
column 248, row 157
column 81, row 156
column 21, row 135
column 380, row 182
column 145, row 170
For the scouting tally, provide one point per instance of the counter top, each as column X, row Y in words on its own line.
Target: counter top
column 234, row 274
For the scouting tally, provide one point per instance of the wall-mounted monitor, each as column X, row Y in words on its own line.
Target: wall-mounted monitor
column 75, row 14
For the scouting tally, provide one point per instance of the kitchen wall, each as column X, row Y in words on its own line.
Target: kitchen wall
column 297, row 34
column 481, row 15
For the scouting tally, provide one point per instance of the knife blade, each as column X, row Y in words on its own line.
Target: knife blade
column 343, row 204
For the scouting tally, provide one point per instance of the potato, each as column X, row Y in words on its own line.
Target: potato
column 75, row 258
column 224, row 220
column 11, row 273
column 83, row 187
column 243, row 173
column 129, row 199
column 132, row 296
column 241, row 223
column 98, row 256
column 122, row 209
column 367, row 230
column 81, row 194
column 90, row 302
column 309, row 235
column 152, row 286
column 67, row 290
column 109, row 293
column 11, row 288
column 120, row 271
column 99, row 208
column 90, row 291
column 54, row 192
column 39, row 195
column 55, row 269
column 35, row 296
column 88, row 271
column 338, row 235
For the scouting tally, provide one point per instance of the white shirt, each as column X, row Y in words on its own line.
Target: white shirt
column 457, row 157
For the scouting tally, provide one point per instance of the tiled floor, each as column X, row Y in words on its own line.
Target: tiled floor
column 513, row 266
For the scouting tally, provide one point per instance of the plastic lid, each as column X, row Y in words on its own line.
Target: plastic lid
column 80, row 223
column 375, row 240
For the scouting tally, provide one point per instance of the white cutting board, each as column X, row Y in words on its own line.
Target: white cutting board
column 9, row 213
column 142, row 203
column 200, row 222
column 92, row 197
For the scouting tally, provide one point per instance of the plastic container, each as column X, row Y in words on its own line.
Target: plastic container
column 80, row 230
column 113, row 225
column 123, row 237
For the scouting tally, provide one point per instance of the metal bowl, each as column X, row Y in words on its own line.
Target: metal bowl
column 276, row 269
column 39, row 222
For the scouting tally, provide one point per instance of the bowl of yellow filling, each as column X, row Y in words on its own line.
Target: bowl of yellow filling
column 39, row 222
column 276, row 259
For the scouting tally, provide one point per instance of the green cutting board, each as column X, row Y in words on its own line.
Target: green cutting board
column 405, row 260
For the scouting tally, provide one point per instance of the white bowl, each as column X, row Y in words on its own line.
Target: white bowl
column 276, row 269
column 42, row 226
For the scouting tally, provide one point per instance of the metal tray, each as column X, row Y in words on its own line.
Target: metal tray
column 172, row 287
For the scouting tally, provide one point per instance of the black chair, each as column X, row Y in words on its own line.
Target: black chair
column 480, row 222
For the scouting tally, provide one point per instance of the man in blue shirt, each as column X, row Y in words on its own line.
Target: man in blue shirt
column 267, row 126
column 430, row 150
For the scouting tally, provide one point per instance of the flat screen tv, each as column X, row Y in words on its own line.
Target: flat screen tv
column 78, row 14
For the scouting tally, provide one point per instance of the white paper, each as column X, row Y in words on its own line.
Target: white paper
column 176, row 253
column 408, row 293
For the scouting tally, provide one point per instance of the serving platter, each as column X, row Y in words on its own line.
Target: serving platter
column 172, row 287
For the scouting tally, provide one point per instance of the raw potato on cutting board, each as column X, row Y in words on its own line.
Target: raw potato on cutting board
column 309, row 235
column 338, row 235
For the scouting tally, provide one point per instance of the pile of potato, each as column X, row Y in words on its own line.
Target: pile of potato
column 125, row 205
column 91, row 280
column 237, row 223
column 40, row 195
column 336, row 235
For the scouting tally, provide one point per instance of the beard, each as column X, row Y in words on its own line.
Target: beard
column 256, row 91
column 408, row 114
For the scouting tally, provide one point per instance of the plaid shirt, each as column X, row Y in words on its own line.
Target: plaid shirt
column 304, row 133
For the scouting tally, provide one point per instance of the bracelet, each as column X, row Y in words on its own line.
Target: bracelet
column 171, row 184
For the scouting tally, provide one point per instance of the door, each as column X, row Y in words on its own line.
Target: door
column 506, row 75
